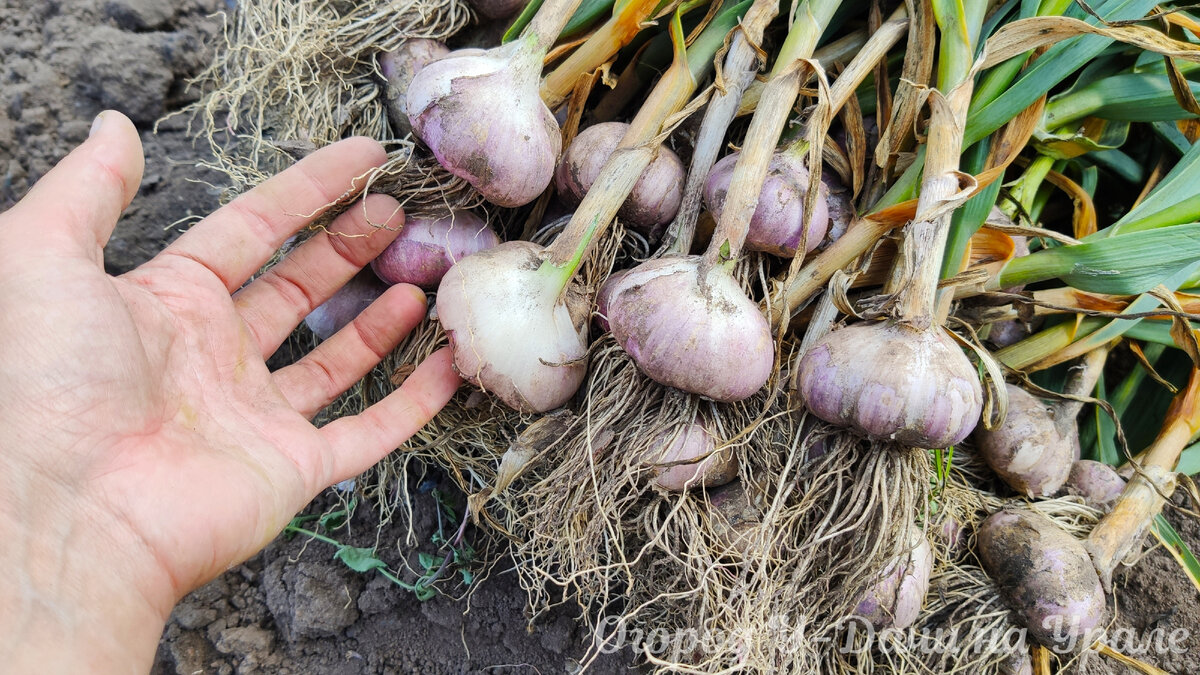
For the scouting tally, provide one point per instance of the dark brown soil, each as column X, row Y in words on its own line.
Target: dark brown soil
column 293, row 609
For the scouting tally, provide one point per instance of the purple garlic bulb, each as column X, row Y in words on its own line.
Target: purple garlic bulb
column 777, row 224
column 1027, row 450
column 895, row 600
column 674, row 454
column 1099, row 484
column 689, row 326
column 427, row 247
column 735, row 519
column 890, row 381
column 948, row 531
column 657, row 194
column 348, row 302
column 512, row 333
column 604, row 298
column 398, row 68
column 482, row 116
column 841, row 208
column 1008, row 332
column 498, row 9
column 1045, row 575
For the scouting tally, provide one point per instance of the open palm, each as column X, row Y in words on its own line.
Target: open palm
column 141, row 433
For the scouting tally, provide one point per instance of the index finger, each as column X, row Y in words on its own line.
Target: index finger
column 238, row 239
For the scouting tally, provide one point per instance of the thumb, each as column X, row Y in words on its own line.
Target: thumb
column 76, row 205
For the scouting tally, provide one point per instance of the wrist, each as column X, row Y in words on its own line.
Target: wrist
column 69, row 602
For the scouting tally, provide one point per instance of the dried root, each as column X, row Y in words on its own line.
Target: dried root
column 295, row 76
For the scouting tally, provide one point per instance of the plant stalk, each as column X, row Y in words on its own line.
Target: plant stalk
column 925, row 240
column 617, row 32
column 549, row 22
column 1081, row 382
column 1123, row 528
column 740, row 68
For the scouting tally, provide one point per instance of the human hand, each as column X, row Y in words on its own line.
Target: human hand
column 144, row 446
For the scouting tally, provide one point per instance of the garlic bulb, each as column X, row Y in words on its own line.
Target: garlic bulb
column 1045, row 575
column 398, row 68
column 1027, row 450
column 690, row 326
column 427, row 247
column 1099, row 484
column 896, row 598
column 890, row 381
column 348, row 302
column 674, row 454
column 657, row 194
column 777, row 224
column 512, row 333
column 480, row 113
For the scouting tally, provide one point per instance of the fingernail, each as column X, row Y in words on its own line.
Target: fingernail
column 417, row 293
column 96, row 124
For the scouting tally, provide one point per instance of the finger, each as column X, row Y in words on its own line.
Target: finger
column 75, row 206
column 323, row 374
column 239, row 238
column 275, row 303
column 362, row 440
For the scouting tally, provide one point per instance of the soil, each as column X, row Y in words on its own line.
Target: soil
column 293, row 608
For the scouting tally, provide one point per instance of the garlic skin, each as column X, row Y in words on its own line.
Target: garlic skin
column 1099, row 484
column 1027, row 450
column 428, row 247
column 510, row 332
column 896, row 598
column 776, row 226
column 1044, row 574
column 604, row 298
column 481, row 114
column 348, row 302
column 656, row 196
column 889, row 381
column 398, row 68
column 690, row 326
column 689, row 442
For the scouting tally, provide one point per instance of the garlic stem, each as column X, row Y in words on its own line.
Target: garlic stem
column 926, row 237
column 1124, row 527
column 841, row 50
column 925, row 240
column 549, row 21
column 741, row 66
column 1080, row 382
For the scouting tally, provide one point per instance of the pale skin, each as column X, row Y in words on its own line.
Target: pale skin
column 145, row 448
